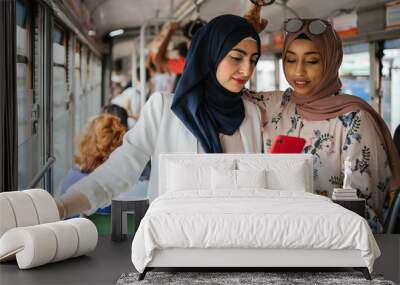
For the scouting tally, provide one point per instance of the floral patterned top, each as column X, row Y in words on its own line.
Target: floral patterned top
column 331, row 142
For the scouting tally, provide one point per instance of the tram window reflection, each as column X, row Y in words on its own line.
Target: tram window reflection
column 265, row 74
column 283, row 84
column 355, row 71
column 391, row 83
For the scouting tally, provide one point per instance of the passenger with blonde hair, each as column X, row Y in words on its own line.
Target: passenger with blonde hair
column 102, row 136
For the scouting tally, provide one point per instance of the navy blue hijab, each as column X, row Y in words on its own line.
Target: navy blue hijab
column 200, row 102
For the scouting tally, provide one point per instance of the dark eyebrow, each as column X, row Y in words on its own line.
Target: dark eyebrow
column 244, row 52
column 307, row 53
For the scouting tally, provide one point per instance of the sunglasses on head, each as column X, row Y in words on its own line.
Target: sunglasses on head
column 315, row 27
column 262, row 2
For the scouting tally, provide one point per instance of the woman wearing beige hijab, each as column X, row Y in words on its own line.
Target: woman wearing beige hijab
column 334, row 125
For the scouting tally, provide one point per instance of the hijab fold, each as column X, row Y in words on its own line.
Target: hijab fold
column 203, row 105
column 322, row 104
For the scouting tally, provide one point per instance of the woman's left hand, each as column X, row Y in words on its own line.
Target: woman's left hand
column 254, row 17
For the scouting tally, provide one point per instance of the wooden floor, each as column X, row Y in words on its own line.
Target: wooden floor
column 106, row 264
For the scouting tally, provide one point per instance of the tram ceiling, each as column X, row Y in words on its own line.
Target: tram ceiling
column 109, row 15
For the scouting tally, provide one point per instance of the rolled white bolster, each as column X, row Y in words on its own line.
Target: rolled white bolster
column 33, row 246
column 7, row 217
column 87, row 235
column 45, row 205
column 23, row 208
column 40, row 244
column 67, row 240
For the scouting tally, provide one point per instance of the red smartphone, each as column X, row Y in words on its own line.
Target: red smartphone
column 287, row 144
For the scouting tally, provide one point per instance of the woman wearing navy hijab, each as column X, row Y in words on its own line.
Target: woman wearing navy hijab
column 206, row 114
column 208, row 106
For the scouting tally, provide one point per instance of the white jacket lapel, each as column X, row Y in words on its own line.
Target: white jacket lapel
column 250, row 129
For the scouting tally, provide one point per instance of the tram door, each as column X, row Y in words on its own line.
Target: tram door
column 62, row 115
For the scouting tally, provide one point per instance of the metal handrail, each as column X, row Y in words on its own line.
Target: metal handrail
column 42, row 172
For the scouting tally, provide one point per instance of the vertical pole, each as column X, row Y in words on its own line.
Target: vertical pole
column 142, row 67
column 374, row 77
column 47, row 42
column 135, row 105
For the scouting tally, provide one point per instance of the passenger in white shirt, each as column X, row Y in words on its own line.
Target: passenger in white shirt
column 206, row 114
column 130, row 99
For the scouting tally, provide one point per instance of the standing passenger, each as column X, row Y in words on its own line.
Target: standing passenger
column 206, row 114
column 334, row 125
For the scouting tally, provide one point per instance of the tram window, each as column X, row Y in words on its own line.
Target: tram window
column 78, row 91
column 59, row 70
column 88, row 67
column 265, row 74
column 391, row 83
column 354, row 71
column 77, row 55
column 62, row 122
column 59, row 47
column 283, row 84
column 25, row 96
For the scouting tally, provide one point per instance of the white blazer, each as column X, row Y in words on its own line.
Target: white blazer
column 157, row 131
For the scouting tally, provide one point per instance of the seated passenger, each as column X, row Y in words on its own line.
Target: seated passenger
column 102, row 136
column 206, row 114
column 334, row 125
column 118, row 112
column 130, row 98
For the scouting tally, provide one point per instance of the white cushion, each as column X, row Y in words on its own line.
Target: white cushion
column 178, row 177
column 193, row 174
column 226, row 179
column 251, row 178
column 183, row 177
column 281, row 174
column 282, row 180
column 223, row 179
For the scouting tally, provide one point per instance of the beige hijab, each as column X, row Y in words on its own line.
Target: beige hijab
column 321, row 104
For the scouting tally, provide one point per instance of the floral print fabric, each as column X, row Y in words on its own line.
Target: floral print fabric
column 331, row 142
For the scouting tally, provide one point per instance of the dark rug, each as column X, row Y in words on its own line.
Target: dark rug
column 270, row 278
